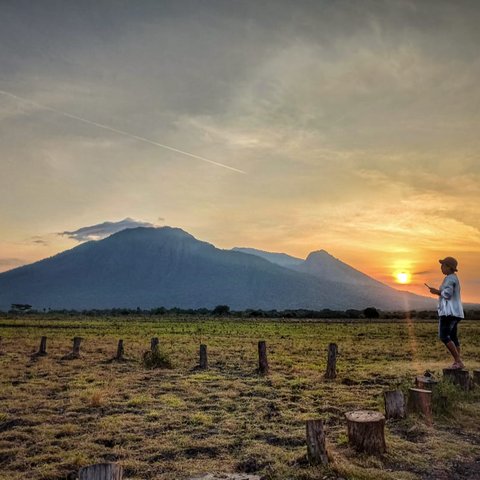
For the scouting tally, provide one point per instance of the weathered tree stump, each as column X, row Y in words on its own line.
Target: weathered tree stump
column 394, row 404
column 366, row 431
column 42, row 350
column 120, row 351
column 262, row 358
column 425, row 383
column 154, row 344
column 316, row 450
column 331, row 372
column 458, row 376
column 75, row 353
column 101, row 471
column 76, row 345
column 420, row 401
column 476, row 378
column 203, row 357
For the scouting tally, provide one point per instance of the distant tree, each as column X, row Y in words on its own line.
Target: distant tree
column 352, row 313
column 159, row 311
column 221, row 310
column 371, row 312
column 20, row 307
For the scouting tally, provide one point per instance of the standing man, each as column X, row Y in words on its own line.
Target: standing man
column 450, row 310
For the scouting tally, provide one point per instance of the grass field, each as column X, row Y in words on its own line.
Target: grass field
column 58, row 415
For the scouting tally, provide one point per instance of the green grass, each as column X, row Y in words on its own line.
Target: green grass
column 58, row 415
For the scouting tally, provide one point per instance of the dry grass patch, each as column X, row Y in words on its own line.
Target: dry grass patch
column 164, row 424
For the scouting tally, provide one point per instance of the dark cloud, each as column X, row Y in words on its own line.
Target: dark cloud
column 102, row 230
column 39, row 240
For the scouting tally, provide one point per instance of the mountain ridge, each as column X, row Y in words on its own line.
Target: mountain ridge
column 149, row 267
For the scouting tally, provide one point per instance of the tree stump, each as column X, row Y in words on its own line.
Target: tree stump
column 420, row 401
column 394, row 404
column 316, row 450
column 75, row 353
column 76, row 345
column 425, row 383
column 366, row 431
column 101, row 471
column 476, row 378
column 203, row 357
column 120, row 351
column 458, row 376
column 262, row 358
column 331, row 372
column 154, row 344
column 42, row 350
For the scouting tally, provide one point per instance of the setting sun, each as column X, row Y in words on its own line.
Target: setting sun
column 402, row 277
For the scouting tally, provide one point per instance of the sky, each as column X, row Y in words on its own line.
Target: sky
column 288, row 126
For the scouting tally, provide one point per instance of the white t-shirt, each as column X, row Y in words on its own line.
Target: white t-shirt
column 450, row 302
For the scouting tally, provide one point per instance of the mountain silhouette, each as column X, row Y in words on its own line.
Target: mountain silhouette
column 152, row 267
column 281, row 259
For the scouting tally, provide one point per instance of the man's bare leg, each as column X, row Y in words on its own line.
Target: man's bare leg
column 452, row 348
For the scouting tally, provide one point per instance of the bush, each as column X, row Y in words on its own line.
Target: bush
column 371, row 312
column 221, row 310
column 156, row 359
column 445, row 396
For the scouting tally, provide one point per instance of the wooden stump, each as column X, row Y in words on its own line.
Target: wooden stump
column 425, row 383
column 420, row 401
column 476, row 378
column 316, row 450
column 76, row 345
column 262, row 358
column 101, row 471
column 394, row 404
column 458, row 376
column 154, row 344
column 120, row 351
column 331, row 372
column 203, row 357
column 75, row 353
column 366, row 431
column 42, row 350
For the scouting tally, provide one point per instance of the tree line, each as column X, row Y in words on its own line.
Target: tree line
column 226, row 311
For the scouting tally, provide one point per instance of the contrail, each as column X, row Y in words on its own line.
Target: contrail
column 120, row 132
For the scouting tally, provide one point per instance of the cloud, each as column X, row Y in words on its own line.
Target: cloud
column 39, row 240
column 102, row 230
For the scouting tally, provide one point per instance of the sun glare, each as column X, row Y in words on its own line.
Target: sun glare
column 402, row 277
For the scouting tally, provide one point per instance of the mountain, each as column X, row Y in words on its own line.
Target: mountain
column 281, row 259
column 152, row 267
column 320, row 264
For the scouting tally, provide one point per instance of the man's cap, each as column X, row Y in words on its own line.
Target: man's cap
column 450, row 262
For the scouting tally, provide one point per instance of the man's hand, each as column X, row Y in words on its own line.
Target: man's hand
column 433, row 291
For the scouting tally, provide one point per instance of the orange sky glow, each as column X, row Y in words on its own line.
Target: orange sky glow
column 352, row 129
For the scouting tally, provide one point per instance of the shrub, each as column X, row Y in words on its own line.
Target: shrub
column 221, row 310
column 445, row 396
column 371, row 312
column 156, row 359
